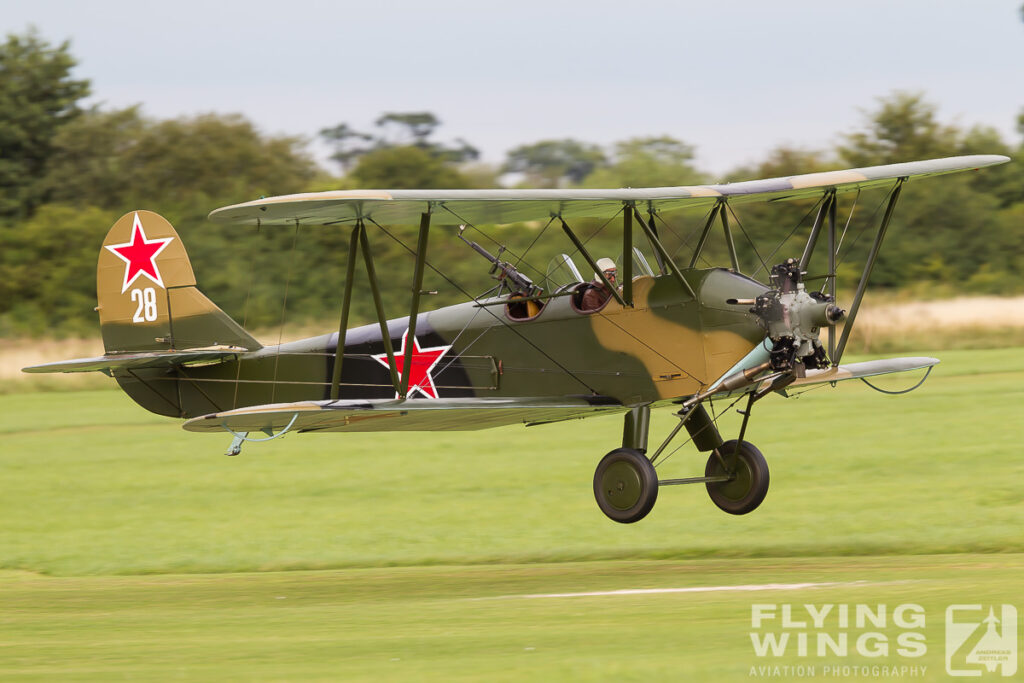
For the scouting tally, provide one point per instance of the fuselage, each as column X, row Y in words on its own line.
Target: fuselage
column 667, row 345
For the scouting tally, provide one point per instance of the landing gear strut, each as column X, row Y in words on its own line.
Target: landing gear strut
column 736, row 475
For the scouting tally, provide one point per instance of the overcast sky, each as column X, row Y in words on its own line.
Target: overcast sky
column 735, row 79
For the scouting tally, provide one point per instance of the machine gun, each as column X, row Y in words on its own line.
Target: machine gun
column 503, row 271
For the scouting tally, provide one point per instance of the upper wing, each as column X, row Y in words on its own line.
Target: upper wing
column 479, row 207
column 378, row 415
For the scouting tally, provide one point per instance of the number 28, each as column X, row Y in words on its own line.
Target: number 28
column 146, row 298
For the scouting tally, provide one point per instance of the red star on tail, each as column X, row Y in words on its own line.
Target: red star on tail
column 421, row 363
column 140, row 255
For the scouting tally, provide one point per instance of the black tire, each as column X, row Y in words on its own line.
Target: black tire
column 749, row 484
column 625, row 485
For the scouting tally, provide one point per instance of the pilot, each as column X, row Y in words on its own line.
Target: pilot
column 597, row 293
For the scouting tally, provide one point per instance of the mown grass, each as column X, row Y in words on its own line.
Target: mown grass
column 95, row 485
column 472, row 623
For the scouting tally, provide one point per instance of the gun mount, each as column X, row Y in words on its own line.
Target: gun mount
column 504, row 272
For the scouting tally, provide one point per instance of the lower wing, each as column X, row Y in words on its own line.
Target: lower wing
column 379, row 415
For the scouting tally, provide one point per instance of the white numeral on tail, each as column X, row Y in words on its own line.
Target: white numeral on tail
column 146, row 312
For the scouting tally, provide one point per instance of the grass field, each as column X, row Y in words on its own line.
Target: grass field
column 133, row 549
column 469, row 623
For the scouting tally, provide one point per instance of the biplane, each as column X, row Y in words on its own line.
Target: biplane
column 641, row 334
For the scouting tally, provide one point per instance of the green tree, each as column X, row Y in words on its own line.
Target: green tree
column 395, row 130
column 37, row 97
column 119, row 159
column 406, row 167
column 407, row 128
column 415, row 128
column 785, row 161
column 555, row 163
column 903, row 128
column 90, row 159
column 648, row 162
column 349, row 144
column 1006, row 181
column 48, row 286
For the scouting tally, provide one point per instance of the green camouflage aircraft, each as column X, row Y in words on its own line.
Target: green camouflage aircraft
column 674, row 335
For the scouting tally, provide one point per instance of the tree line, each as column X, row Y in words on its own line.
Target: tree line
column 67, row 172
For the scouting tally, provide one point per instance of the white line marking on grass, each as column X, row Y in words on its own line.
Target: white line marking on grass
column 688, row 589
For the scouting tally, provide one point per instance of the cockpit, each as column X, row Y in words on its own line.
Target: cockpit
column 563, row 278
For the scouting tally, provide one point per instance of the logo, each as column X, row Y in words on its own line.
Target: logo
column 832, row 640
column 980, row 640
column 140, row 255
column 421, row 363
column 838, row 630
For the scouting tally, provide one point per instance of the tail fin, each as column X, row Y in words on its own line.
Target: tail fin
column 148, row 300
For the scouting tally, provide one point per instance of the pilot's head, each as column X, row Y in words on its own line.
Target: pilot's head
column 607, row 267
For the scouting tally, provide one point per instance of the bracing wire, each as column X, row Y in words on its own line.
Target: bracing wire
column 245, row 316
column 685, row 241
column 284, row 307
column 535, row 239
column 839, row 243
column 848, row 219
column 749, row 241
column 716, row 416
column 792, row 232
column 511, row 253
column 486, row 308
column 870, row 221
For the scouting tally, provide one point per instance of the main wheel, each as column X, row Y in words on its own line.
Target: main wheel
column 625, row 485
column 748, row 472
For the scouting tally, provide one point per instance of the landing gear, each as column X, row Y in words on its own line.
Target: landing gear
column 625, row 485
column 736, row 475
column 747, row 473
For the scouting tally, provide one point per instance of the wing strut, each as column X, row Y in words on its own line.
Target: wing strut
column 720, row 212
column 824, row 209
column 654, row 230
column 371, row 275
column 346, row 304
column 729, row 243
column 627, row 252
column 399, row 380
column 704, row 233
column 664, row 256
column 590, row 261
column 827, row 207
column 414, row 307
column 830, row 277
column 866, row 275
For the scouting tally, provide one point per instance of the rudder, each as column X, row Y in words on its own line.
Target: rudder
column 147, row 294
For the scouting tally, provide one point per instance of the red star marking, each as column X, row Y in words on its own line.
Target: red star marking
column 421, row 362
column 140, row 255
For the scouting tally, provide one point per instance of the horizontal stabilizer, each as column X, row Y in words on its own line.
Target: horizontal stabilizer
column 383, row 415
column 153, row 359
